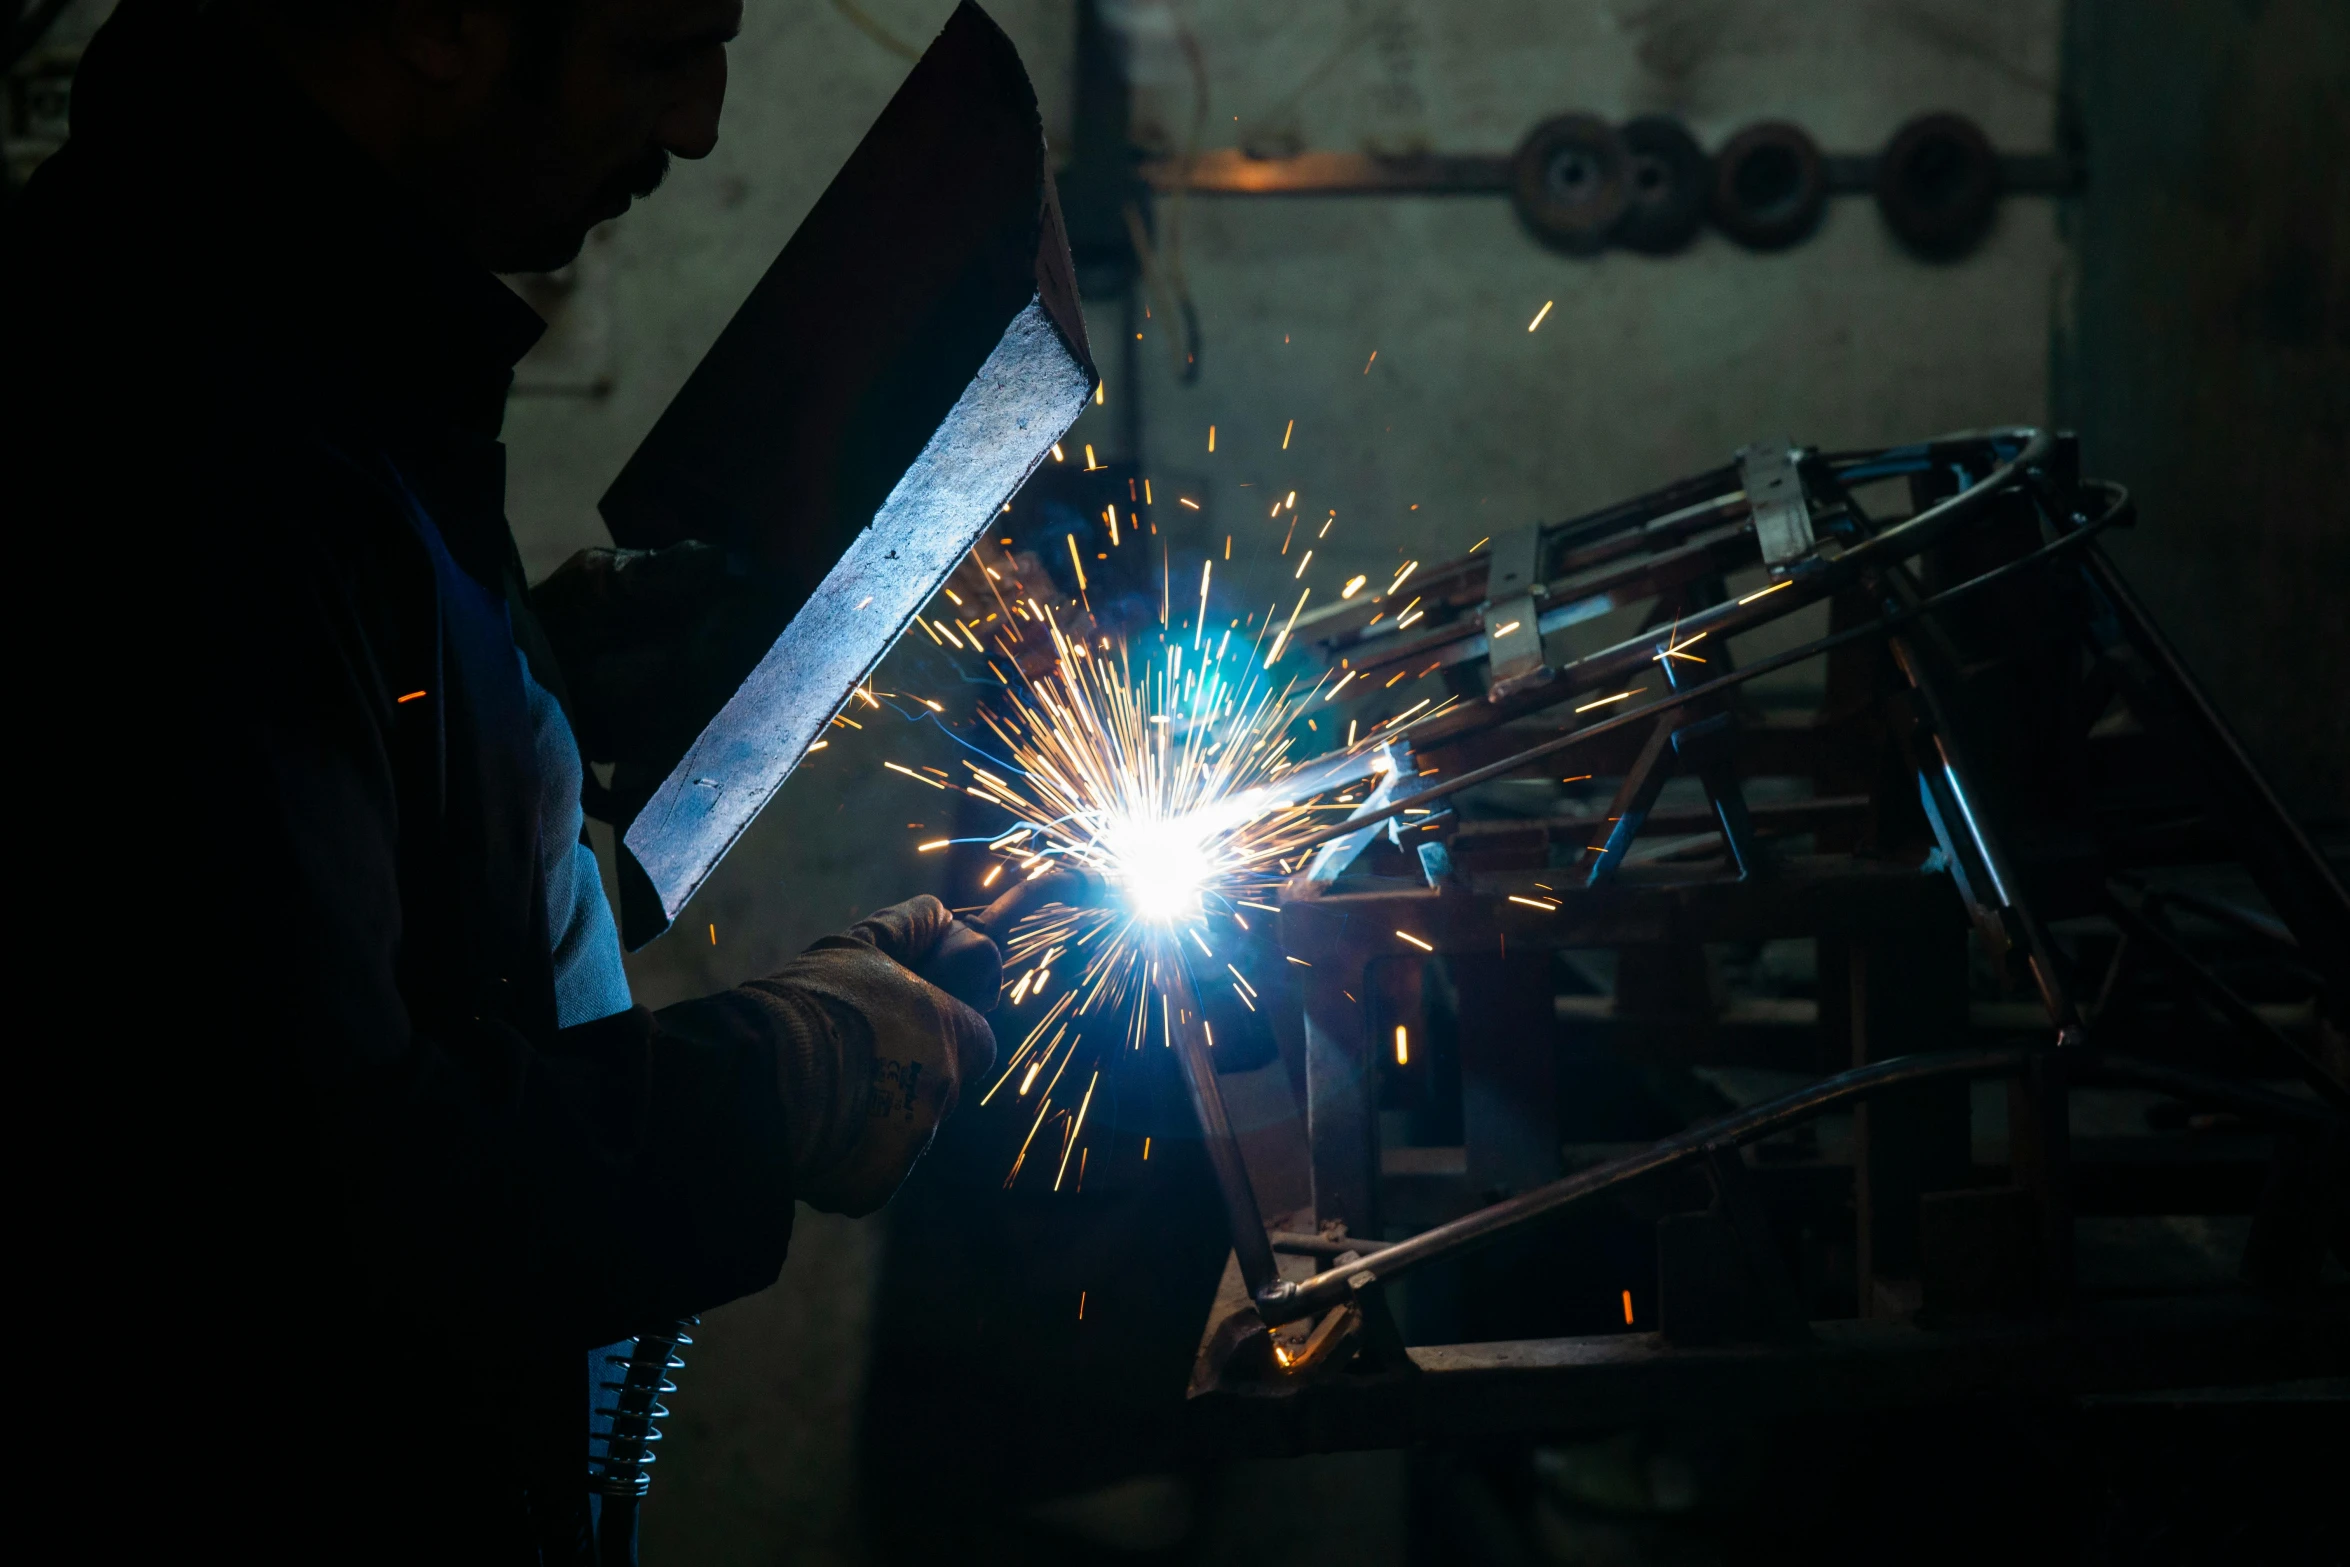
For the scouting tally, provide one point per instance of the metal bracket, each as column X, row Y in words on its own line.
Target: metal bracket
column 1774, row 488
column 1398, row 780
column 1513, row 627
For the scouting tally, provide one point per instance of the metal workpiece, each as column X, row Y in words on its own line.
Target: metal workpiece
column 1286, row 1302
column 1513, row 629
column 1782, row 516
column 2016, row 453
column 903, row 366
column 1597, row 1385
column 1952, row 770
column 1194, row 1049
column 2117, row 508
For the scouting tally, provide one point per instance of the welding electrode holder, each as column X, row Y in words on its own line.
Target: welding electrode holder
column 968, row 961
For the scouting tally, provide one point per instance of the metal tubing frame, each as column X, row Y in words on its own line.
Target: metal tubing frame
column 1287, row 1302
column 1250, row 1242
column 2117, row 508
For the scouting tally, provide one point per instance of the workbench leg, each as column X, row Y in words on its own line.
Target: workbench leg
column 2039, row 1142
column 1342, row 1098
column 1509, row 1038
column 1905, row 992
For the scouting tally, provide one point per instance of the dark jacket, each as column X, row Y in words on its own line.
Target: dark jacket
column 325, row 1205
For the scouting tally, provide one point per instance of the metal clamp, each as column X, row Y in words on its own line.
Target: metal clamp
column 1774, row 488
column 1513, row 627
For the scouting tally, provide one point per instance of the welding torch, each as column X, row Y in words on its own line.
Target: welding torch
column 969, row 958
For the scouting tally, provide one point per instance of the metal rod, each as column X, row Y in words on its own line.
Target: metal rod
column 1285, row 1302
column 1297, row 1245
column 1192, row 1048
column 1721, row 683
column 2298, row 882
column 2239, row 1013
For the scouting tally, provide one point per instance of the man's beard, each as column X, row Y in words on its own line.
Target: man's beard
column 557, row 247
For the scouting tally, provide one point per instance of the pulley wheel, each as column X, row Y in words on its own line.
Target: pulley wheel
column 1668, row 182
column 1937, row 184
column 1567, row 180
column 1769, row 188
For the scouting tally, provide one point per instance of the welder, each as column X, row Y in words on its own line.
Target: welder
column 353, row 1145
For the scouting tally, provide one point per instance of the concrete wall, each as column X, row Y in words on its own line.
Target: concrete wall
column 2206, row 356
column 1646, row 368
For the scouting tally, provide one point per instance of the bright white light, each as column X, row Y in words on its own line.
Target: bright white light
column 1158, row 867
column 1162, row 865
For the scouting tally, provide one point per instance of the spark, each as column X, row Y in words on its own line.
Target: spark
column 1286, row 434
column 1674, row 645
column 1164, row 773
column 1074, row 561
column 910, row 773
column 1535, row 903
column 1353, row 586
column 1627, row 1308
column 1090, row 465
column 1282, row 640
column 1620, row 696
column 1305, row 560
column 1057, row 457
column 1773, row 588
column 410, row 697
column 1211, row 437
column 1185, row 500
column 867, row 599
column 935, row 843
column 1539, row 314
column 1374, row 359
column 1403, row 1043
column 1415, row 941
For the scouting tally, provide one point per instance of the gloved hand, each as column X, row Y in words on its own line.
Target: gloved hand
column 865, row 1094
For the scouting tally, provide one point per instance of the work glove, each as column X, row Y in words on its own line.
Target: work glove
column 867, row 1079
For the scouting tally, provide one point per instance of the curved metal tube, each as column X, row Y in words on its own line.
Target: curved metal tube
column 1287, row 1302
column 2117, row 508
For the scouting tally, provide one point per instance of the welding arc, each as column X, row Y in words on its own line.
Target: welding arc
column 2117, row 508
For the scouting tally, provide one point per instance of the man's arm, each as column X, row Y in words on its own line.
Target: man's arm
column 641, row 1166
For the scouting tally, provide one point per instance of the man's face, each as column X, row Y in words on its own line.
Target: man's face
column 580, row 123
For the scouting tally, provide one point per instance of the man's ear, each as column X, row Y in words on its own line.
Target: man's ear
column 450, row 43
